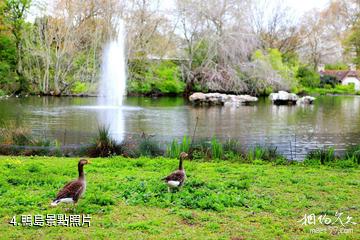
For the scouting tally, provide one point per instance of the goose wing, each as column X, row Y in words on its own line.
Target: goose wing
column 71, row 190
column 178, row 175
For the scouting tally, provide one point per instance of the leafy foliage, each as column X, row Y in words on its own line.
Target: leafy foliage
column 308, row 77
column 336, row 66
column 328, row 80
column 7, row 61
column 155, row 77
column 79, row 87
column 352, row 43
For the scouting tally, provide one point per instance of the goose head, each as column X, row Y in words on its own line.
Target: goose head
column 183, row 155
column 83, row 162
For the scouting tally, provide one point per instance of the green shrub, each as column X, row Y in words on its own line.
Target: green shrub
column 336, row 66
column 7, row 61
column 308, row 77
column 79, row 87
column 328, row 80
column 155, row 77
column 344, row 89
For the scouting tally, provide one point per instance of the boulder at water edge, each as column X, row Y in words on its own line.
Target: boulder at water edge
column 199, row 98
column 283, row 98
column 306, row 100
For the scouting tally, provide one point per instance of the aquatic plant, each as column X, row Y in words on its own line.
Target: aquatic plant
column 353, row 153
column 232, row 145
column 267, row 153
column 217, row 150
column 174, row 149
column 149, row 147
column 14, row 134
column 103, row 144
column 321, row 156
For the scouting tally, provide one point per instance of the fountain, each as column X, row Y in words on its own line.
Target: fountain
column 113, row 84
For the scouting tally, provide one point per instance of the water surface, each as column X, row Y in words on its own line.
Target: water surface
column 331, row 121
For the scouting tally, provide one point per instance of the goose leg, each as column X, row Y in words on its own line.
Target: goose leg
column 74, row 207
column 169, row 189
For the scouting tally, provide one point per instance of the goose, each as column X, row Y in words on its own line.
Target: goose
column 177, row 178
column 72, row 191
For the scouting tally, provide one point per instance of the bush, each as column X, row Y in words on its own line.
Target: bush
column 155, row 77
column 7, row 61
column 328, row 80
column 308, row 77
column 344, row 89
column 336, row 66
column 79, row 87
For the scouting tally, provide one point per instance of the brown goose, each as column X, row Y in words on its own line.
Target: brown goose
column 178, row 177
column 72, row 191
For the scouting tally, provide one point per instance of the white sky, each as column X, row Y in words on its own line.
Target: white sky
column 299, row 6
column 306, row 5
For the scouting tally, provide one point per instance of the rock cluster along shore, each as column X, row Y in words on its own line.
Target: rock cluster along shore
column 199, row 98
column 285, row 98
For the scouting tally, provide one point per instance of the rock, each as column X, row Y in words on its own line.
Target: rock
column 306, row 100
column 221, row 99
column 283, row 98
column 198, row 96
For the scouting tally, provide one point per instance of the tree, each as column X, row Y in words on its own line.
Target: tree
column 352, row 43
column 15, row 12
column 217, row 42
column 275, row 27
column 65, row 48
column 7, row 53
column 278, row 74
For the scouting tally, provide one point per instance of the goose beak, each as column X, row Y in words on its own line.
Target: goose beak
column 88, row 162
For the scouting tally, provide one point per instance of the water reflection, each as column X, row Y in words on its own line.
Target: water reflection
column 293, row 129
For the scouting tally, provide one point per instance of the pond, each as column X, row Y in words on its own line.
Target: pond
column 294, row 130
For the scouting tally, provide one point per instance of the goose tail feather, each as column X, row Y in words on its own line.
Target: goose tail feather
column 55, row 203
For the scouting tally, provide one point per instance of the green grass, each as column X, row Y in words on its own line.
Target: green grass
column 338, row 89
column 220, row 200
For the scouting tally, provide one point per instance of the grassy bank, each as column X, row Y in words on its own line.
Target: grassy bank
column 221, row 200
column 338, row 89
